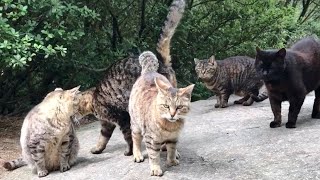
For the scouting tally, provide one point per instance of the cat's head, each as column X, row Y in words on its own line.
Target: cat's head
column 205, row 68
column 85, row 105
column 67, row 101
column 173, row 103
column 270, row 64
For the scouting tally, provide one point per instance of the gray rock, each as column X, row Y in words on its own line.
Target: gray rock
column 231, row 143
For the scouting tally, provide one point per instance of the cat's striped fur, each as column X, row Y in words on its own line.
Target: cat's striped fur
column 111, row 97
column 48, row 139
column 157, row 111
column 232, row 75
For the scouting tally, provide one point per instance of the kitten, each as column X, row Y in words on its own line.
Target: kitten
column 111, row 96
column 289, row 75
column 48, row 139
column 232, row 75
column 157, row 111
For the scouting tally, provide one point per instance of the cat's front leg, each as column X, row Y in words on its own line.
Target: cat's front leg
column 171, row 154
column 137, row 138
column 37, row 151
column 153, row 149
column 65, row 152
column 224, row 100
column 294, row 109
column 316, row 105
column 217, row 105
column 276, row 109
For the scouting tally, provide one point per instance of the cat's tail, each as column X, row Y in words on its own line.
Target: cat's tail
column 148, row 62
column 262, row 96
column 173, row 18
column 14, row 164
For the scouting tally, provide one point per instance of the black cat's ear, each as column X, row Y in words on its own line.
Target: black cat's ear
column 258, row 50
column 282, row 53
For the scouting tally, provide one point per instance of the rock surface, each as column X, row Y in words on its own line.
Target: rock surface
column 231, row 143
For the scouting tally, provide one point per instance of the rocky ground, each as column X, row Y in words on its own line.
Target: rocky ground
column 231, row 143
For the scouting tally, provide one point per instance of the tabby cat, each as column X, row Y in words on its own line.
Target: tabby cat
column 48, row 139
column 157, row 111
column 111, row 96
column 289, row 75
column 232, row 75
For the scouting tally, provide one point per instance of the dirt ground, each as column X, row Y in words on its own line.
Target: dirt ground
column 10, row 128
column 9, row 139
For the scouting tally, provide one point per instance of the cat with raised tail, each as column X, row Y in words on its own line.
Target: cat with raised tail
column 157, row 110
column 111, row 96
column 289, row 75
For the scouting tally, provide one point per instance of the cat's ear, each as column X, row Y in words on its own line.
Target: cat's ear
column 196, row 61
column 282, row 53
column 162, row 86
column 258, row 50
column 58, row 89
column 212, row 59
column 186, row 91
column 74, row 90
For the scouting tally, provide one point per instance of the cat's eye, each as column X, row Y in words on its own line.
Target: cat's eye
column 164, row 105
column 180, row 107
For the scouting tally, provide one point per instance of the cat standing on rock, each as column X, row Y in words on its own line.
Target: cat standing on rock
column 232, row 75
column 111, row 96
column 48, row 139
column 157, row 111
column 289, row 75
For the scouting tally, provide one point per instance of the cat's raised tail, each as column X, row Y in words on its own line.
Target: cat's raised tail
column 173, row 18
column 14, row 164
column 148, row 62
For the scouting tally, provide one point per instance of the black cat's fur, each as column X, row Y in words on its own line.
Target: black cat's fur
column 289, row 75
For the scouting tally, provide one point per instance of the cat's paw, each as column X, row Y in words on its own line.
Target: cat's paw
column 178, row 156
column 138, row 158
column 224, row 105
column 128, row 152
column 173, row 162
column 238, row 102
column 217, row 105
column 43, row 173
column 96, row 150
column 290, row 125
column 156, row 171
column 247, row 103
column 275, row 124
column 64, row 167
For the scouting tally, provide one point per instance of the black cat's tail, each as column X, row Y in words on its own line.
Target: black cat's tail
column 14, row 164
column 148, row 62
column 261, row 97
column 173, row 18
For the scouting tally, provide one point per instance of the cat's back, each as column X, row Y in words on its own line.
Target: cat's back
column 237, row 65
column 115, row 87
column 308, row 48
column 145, row 88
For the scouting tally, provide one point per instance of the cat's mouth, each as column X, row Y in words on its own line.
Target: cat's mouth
column 172, row 119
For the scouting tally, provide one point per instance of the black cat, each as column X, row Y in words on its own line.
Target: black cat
column 289, row 75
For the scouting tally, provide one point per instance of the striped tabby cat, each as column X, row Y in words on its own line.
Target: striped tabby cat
column 232, row 75
column 111, row 96
column 48, row 139
column 157, row 111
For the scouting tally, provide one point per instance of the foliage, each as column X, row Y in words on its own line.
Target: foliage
column 64, row 43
